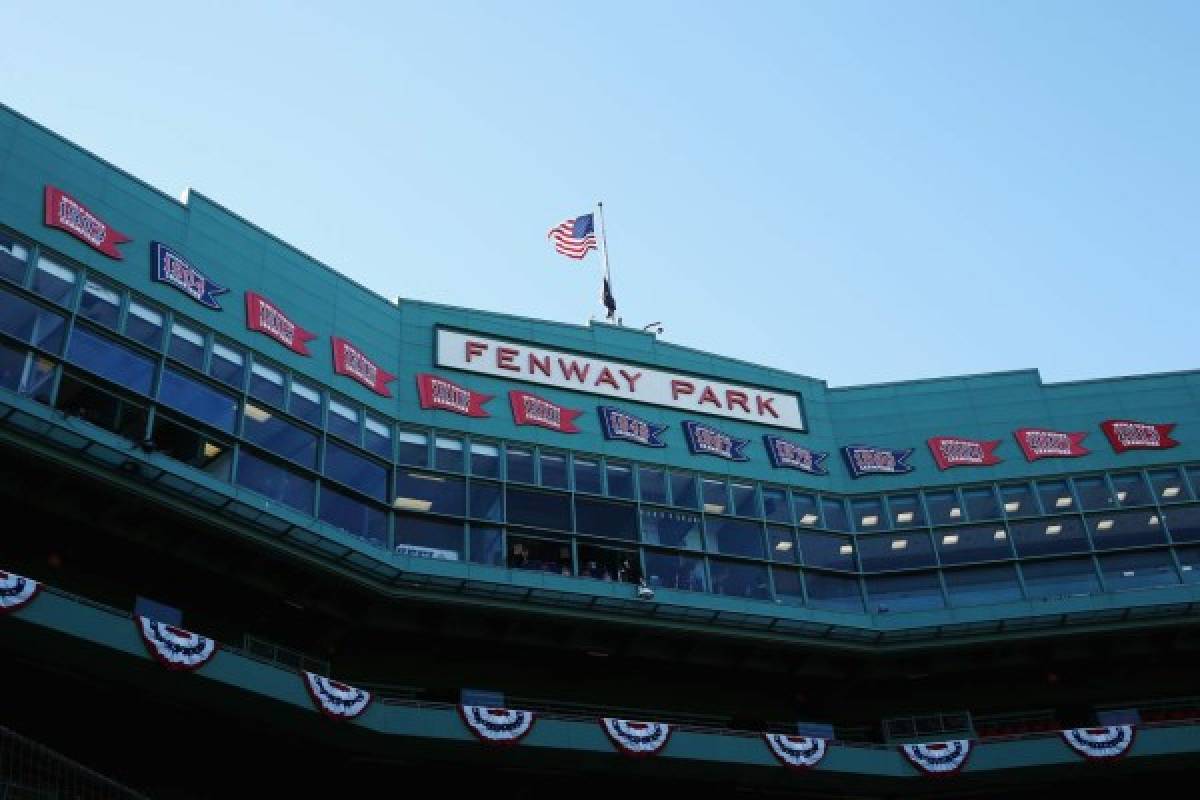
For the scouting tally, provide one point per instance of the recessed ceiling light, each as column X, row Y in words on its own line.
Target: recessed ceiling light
column 1170, row 491
column 1063, row 502
column 808, row 519
column 412, row 504
column 713, row 508
column 784, row 545
column 1000, row 536
column 955, row 512
column 257, row 414
column 1121, row 495
column 1128, row 573
column 950, row 538
column 869, row 520
column 899, row 544
column 846, row 549
column 904, row 516
column 1012, row 506
column 1104, row 524
column 1052, row 530
column 1153, row 519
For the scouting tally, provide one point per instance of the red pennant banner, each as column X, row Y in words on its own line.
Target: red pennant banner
column 348, row 360
column 68, row 214
column 265, row 317
column 529, row 409
column 1129, row 435
column 443, row 395
column 950, row 451
column 1039, row 443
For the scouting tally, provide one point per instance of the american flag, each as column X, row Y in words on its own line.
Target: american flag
column 575, row 236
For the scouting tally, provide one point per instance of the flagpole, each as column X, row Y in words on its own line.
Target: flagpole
column 604, row 247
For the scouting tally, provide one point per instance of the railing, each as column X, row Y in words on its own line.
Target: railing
column 32, row 771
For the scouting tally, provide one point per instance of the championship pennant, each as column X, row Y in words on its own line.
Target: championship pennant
column 789, row 455
column 348, row 360
column 1129, row 435
column 708, row 441
column 863, row 460
column 950, row 451
column 443, row 395
column 529, row 409
column 265, row 317
column 172, row 269
column 1039, row 443
column 68, row 214
column 617, row 424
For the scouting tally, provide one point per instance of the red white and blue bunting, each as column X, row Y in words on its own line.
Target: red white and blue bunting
column 636, row 738
column 1100, row 744
column 175, row 648
column 335, row 699
column 16, row 591
column 796, row 752
column 938, row 758
column 503, row 726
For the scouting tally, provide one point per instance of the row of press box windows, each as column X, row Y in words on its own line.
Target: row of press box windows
column 268, row 385
column 355, row 493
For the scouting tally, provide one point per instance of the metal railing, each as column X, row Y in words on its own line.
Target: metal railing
column 32, row 771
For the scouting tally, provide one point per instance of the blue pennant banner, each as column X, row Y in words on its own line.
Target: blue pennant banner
column 703, row 440
column 626, row 427
column 789, row 455
column 172, row 269
column 863, row 460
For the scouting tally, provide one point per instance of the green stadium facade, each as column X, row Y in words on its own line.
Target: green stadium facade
column 204, row 430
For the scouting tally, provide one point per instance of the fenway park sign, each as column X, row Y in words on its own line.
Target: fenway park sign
column 691, row 393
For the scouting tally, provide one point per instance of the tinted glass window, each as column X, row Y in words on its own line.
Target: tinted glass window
column 343, row 420
column 1189, row 563
column 976, row 543
column 781, row 544
column 652, row 484
column 715, row 494
column 944, row 508
column 1056, row 496
column 191, row 446
column 422, row 491
column 674, row 571
column 867, row 514
column 538, row 509
column 485, row 459
column 826, row 550
column 305, row 402
column 833, row 592
column 671, row 528
column 684, row 491
column 539, row 555
column 54, row 282
column 106, row 358
column 1047, row 536
column 745, row 500
column 487, row 500
column 198, row 400
column 588, row 477
column 412, row 448
column 266, row 384
column 1169, row 487
column 26, row 373
column 101, row 408
column 486, row 545
column 910, row 592
column 608, row 564
column 100, row 304
column 554, row 470
column 1126, row 529
column 804, row 506
column 1060, row 577
column 358, row 472
column 448, row 454
column 186, row 345
column 896, row 551
column 775, row 504
column 787, row 586
column 1183, row 523
column 620, row 480
column 353, row 515
column 31, row 323
column 906, row 510
column 377, row 436
column 519, row 463
column 1093, row 493
column 426, row 537
column 977, row 586
column 734, row 537
column 227, row 365
column 740, row 579
column 981, row 504
column 1123, row 571
column 1131, row 489
column 278, row 435
column 145, row 324
column 275, row 481
column 598, row 518
column 14, row 258
column 1019, row 500
column 834, row 512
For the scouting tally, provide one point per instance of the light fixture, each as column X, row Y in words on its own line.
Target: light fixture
column 257, row 414
column 904, row 517
column 1063, row 502
column 412, row 504
column 1127, row 573
column 1012, row 506
column 846, row 549
column 869, row 520
column 955, row 512
column 1170, row 491
column 211, row 450
column 950, row 538
column 1000, row 535
column 808, row 519
column 1186, row 568
column 1053, row 530
column 899, row 544
column 424, row 476
column 1104, row 524
column 1121, row 495
column 785, row 545
column 1153, row 519
column 713, row 508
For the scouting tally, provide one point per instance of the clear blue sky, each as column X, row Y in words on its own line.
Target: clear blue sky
column 859, row 192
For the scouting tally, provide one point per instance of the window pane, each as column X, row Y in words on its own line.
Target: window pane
column 620, row 480
column 192, row 447
column 684, row 491
column 734, row 537
column 448, row 454
column 377, row 436
column 1047, row 536
column 486, row 545
column 1123, row 571
column 914, row 592
column 1189, row 563
column 412, row 448
column 275, row 481
column 715, row 494
column 279, row 436
column 100, row 304
column 787, row 586
column 353, row 515
column 266, row 384
column 1019, row 500
column 422, row 491
column 1169, row 487
column 520, row 464
column 197, row 400
column 343, row 420
column 145, row 324
column 906, row 510
column 867, row 514
column 101, row 408
column 671, row 528
column 781, row 545
column 1060, row 578
column 538, row 509
column 833, row 592
column 899, row 551
column 826, row 550
column 485, row 459
column 26, row 373
column 14, row 258
column 539, row 555
column 1183, row 523
column 981, row 504
column 674, row 571
column 1126, row 529
column 598, row 518
column 834, row 512
column 305, row 402
column 1056, row 496
column 1131, row 489
column 106, row 358
column 54, row 282
column 977, row 543
column 31, row 323
column 775, row 504
column 737, row 579
column 227, row 365
column 553, row 469
column 977, row 586
column 652, row 484
column 607, row 564
column 944, row 508
column 1093, row 493
column 804, row 507
column 186, row 345
column 587, row 476
column 425, row 537
column 745, row 500
column 358, row 472
column 487, row 500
